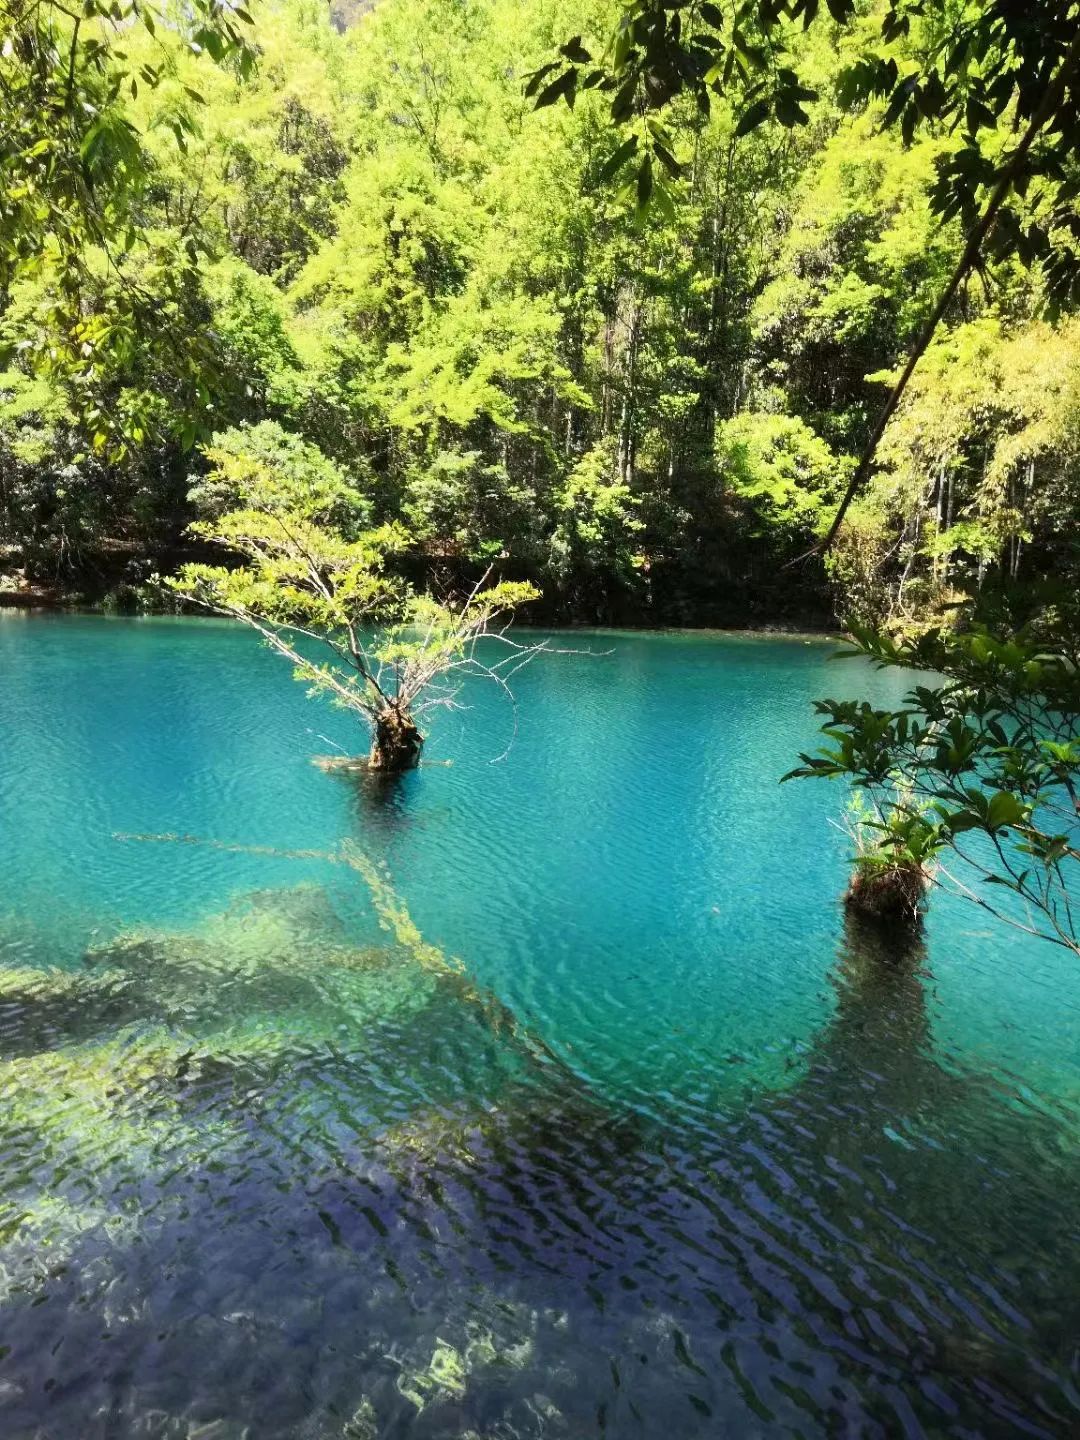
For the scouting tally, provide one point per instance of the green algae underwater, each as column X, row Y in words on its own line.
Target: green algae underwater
column 550, row 1098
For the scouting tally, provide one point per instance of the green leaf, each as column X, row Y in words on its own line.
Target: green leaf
column 574, row 50
column 623, row 104
column 670, row 164
column 788, row 110
column 537, row 78
column 1004, row 809
column 644, row 182
column 616, row 160
column 623, row 46
column 752, row 118
column 664, row 202
column 565, row 87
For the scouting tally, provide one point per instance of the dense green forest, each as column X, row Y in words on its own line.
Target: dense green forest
column 366, row 259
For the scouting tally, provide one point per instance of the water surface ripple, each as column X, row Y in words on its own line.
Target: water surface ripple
column 641, row 1137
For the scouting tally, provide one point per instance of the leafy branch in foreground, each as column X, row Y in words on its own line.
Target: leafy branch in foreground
column 71, row 153
column 983, row 769
column 311, row 588
column 967, row 70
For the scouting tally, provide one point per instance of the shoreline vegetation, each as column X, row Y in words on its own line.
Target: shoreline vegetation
column 410, row 281
column 58, row 606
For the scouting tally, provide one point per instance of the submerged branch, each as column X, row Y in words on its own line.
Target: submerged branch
column 393, row 915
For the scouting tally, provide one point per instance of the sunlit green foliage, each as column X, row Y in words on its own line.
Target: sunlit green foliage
column 596, row 529
column 779, row 468
column 265, row 467
column 857, row 272
column 78, row 219
column 966, row 69
column 437, row 292
column 981, row 462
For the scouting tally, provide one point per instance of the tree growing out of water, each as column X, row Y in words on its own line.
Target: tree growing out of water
column 895, row 848
column 978, row 775
column 316, row 584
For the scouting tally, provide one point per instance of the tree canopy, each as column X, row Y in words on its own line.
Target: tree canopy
column 363, row 249
column 991, row 72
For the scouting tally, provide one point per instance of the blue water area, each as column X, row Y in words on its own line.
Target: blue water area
column 547, row 1095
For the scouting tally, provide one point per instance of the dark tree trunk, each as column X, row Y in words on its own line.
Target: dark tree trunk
column 396, row 743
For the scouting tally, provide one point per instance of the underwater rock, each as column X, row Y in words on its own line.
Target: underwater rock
column 39, row 1236
column 106, row 1109
column 271, row 951
column 444, row 1376
column 40, row 1007
column 447, row 1374
column 364, row 1424
column 432, row 1137
column 291, row 930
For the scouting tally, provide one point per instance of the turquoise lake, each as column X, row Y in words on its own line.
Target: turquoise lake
column 550, row 1097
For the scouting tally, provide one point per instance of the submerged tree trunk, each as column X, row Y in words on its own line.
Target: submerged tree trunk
column 396, row 742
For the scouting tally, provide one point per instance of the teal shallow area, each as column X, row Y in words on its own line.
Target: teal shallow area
column 642, row 1135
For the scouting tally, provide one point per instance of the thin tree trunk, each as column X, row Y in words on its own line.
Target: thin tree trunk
column 940, row 510
column 917, row 529
column 626, row 438
column 946, row 559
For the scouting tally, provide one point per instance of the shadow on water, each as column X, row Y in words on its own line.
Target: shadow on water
column 876, row 1054
column 262, row 1182
column 938, row 1205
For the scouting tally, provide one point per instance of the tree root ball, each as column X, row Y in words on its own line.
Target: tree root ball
column 887, row 892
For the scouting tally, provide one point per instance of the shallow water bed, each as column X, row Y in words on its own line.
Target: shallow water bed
column 638, row 1136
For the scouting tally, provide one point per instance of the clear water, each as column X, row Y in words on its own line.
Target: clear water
column 675, row 1151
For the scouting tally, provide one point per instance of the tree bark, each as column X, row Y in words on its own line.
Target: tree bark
column 396, row 742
